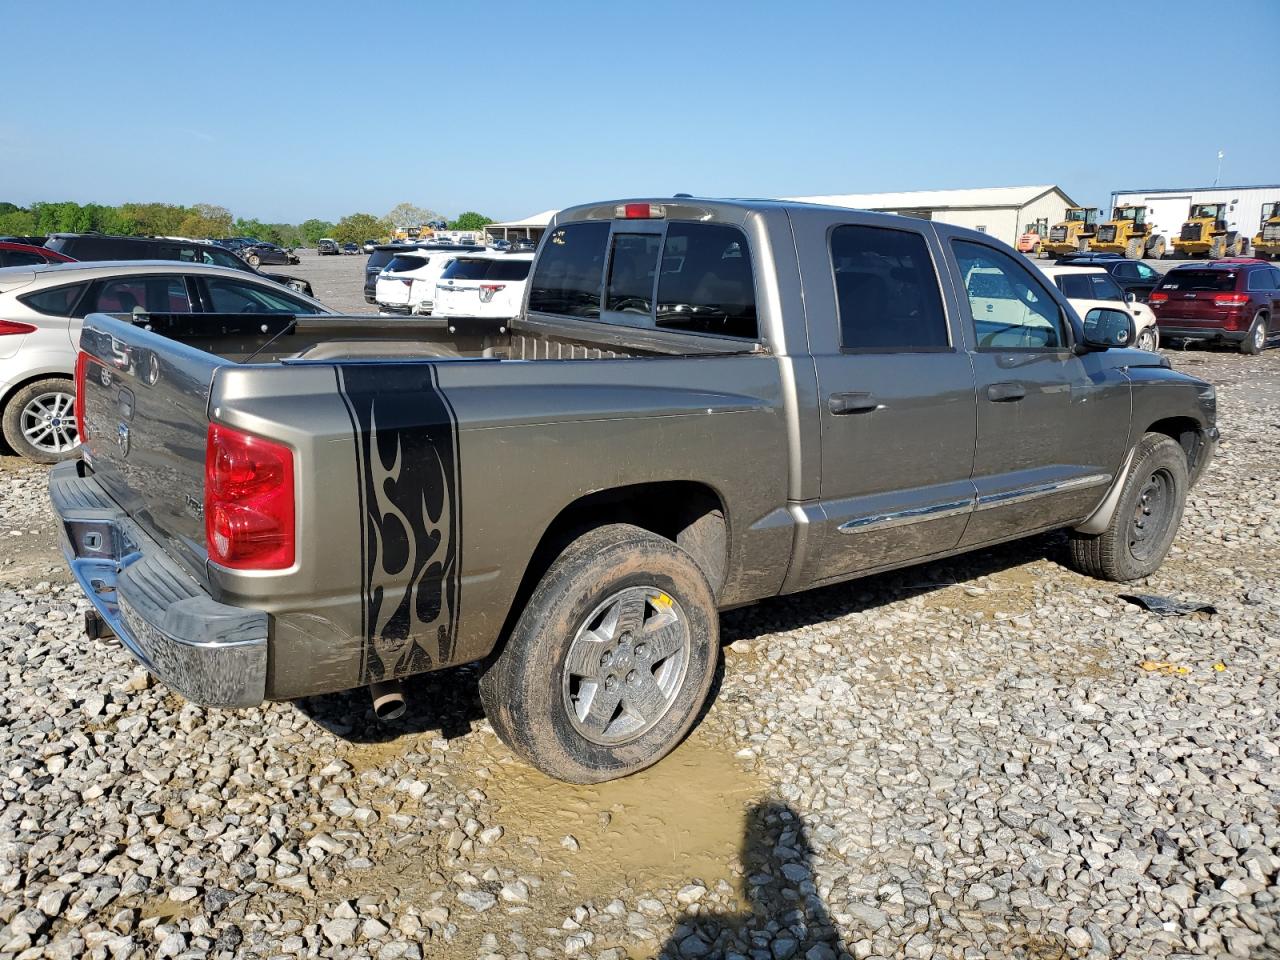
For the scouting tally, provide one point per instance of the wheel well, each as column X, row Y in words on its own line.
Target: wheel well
column 1186, row 431
column 687, row 513
column 4, row 400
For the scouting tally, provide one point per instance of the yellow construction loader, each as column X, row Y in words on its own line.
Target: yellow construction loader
column 1267, row 243
column 1207, row 232
column 1129, row 233
column 1073, row 234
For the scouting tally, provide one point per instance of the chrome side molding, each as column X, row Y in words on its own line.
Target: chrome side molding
column 952, row 508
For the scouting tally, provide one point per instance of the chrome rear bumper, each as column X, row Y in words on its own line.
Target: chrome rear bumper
column 207, row 651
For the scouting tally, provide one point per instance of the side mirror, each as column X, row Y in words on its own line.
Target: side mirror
column 1104, row 329
column 1131, row 297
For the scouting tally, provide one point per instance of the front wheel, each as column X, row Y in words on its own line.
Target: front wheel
column 611, row 660
column 1148, row 339
column 40, row 422
column 1256, row 340
column 1145, row 520
column 253, row 260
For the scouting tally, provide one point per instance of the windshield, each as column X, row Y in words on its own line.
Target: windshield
column 1270, row 210
column 1199, row 280
column 1209, row 211
column 1077, row 216
column 476, row 268
column 1137, row 214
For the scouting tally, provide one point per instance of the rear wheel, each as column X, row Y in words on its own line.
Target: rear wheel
column 1256, row 340
column 611, row 660
column 39, row 421
column 1145, row 520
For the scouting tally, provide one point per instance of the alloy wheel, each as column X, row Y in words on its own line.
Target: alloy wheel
column 625, row 665
column 48, row 422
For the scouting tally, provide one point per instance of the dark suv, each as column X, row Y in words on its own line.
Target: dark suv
column 100, row 246
column 1232, row 300
column 1134, row 276
column 383, row 252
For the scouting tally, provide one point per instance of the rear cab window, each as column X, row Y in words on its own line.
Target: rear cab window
column 672, row 275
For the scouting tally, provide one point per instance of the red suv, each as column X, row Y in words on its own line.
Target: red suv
column 1234, row 300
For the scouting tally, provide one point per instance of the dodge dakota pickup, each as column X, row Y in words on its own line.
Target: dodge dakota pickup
column 702, row 403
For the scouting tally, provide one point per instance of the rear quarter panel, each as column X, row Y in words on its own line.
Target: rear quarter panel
column 424, row 489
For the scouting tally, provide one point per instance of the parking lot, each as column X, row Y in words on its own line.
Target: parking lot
column 985, row 756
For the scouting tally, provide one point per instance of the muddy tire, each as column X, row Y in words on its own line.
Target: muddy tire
column 1133, row 249
column 1256, row 339
column 39, row 421
column 1146, row 518
column 1155, row 249
column 1217, row 248
column 611, row 660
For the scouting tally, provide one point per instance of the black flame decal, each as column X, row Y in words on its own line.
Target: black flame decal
column 407, row 458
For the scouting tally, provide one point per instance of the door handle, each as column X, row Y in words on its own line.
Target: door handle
column 1006, row 392
column 842, row 403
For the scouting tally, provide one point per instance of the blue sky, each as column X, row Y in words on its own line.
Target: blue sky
column 284, row 111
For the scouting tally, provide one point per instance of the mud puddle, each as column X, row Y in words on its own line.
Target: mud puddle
column 681, row 819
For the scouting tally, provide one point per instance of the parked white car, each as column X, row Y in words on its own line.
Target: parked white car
column 486, row 284
column 1091, row 287
column 407, row 284
column 43, row 309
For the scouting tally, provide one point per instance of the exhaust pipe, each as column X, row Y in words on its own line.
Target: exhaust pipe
column 388, row 699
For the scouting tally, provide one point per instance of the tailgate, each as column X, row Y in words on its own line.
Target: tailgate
column 146, row 415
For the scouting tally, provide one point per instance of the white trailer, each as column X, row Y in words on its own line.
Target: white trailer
column 1167, row 210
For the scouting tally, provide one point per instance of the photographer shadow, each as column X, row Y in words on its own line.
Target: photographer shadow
column 783, row 914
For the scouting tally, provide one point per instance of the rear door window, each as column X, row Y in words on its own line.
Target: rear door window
column 156, row 294
column 403, row 264
column 56, row 301
column 706, row 284
column 1261, row 280
column 570, row 270
column 887, row 292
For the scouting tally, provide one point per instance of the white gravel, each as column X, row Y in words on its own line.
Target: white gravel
column 963, row 760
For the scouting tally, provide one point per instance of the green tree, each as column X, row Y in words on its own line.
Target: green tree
column 470, row 221
column 17, row 223
column 358, row 227
column 206, row 220
column 315, row 230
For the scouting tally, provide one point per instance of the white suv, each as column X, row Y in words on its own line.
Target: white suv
column 1090, row 287
column 407, row 283
column 488, row 284
column 43, row 308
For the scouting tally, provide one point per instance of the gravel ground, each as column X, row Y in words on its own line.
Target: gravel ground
column 989, row 756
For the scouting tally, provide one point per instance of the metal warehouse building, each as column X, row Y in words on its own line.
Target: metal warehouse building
column 1003, row 212
column 1167, row 209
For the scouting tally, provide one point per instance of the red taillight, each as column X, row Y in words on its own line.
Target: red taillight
column 640, row 211
column 1159, row 298
column 10, row 327
column 248, row 501
column 82, row 365
column 487, row 290
column 1230, row 299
